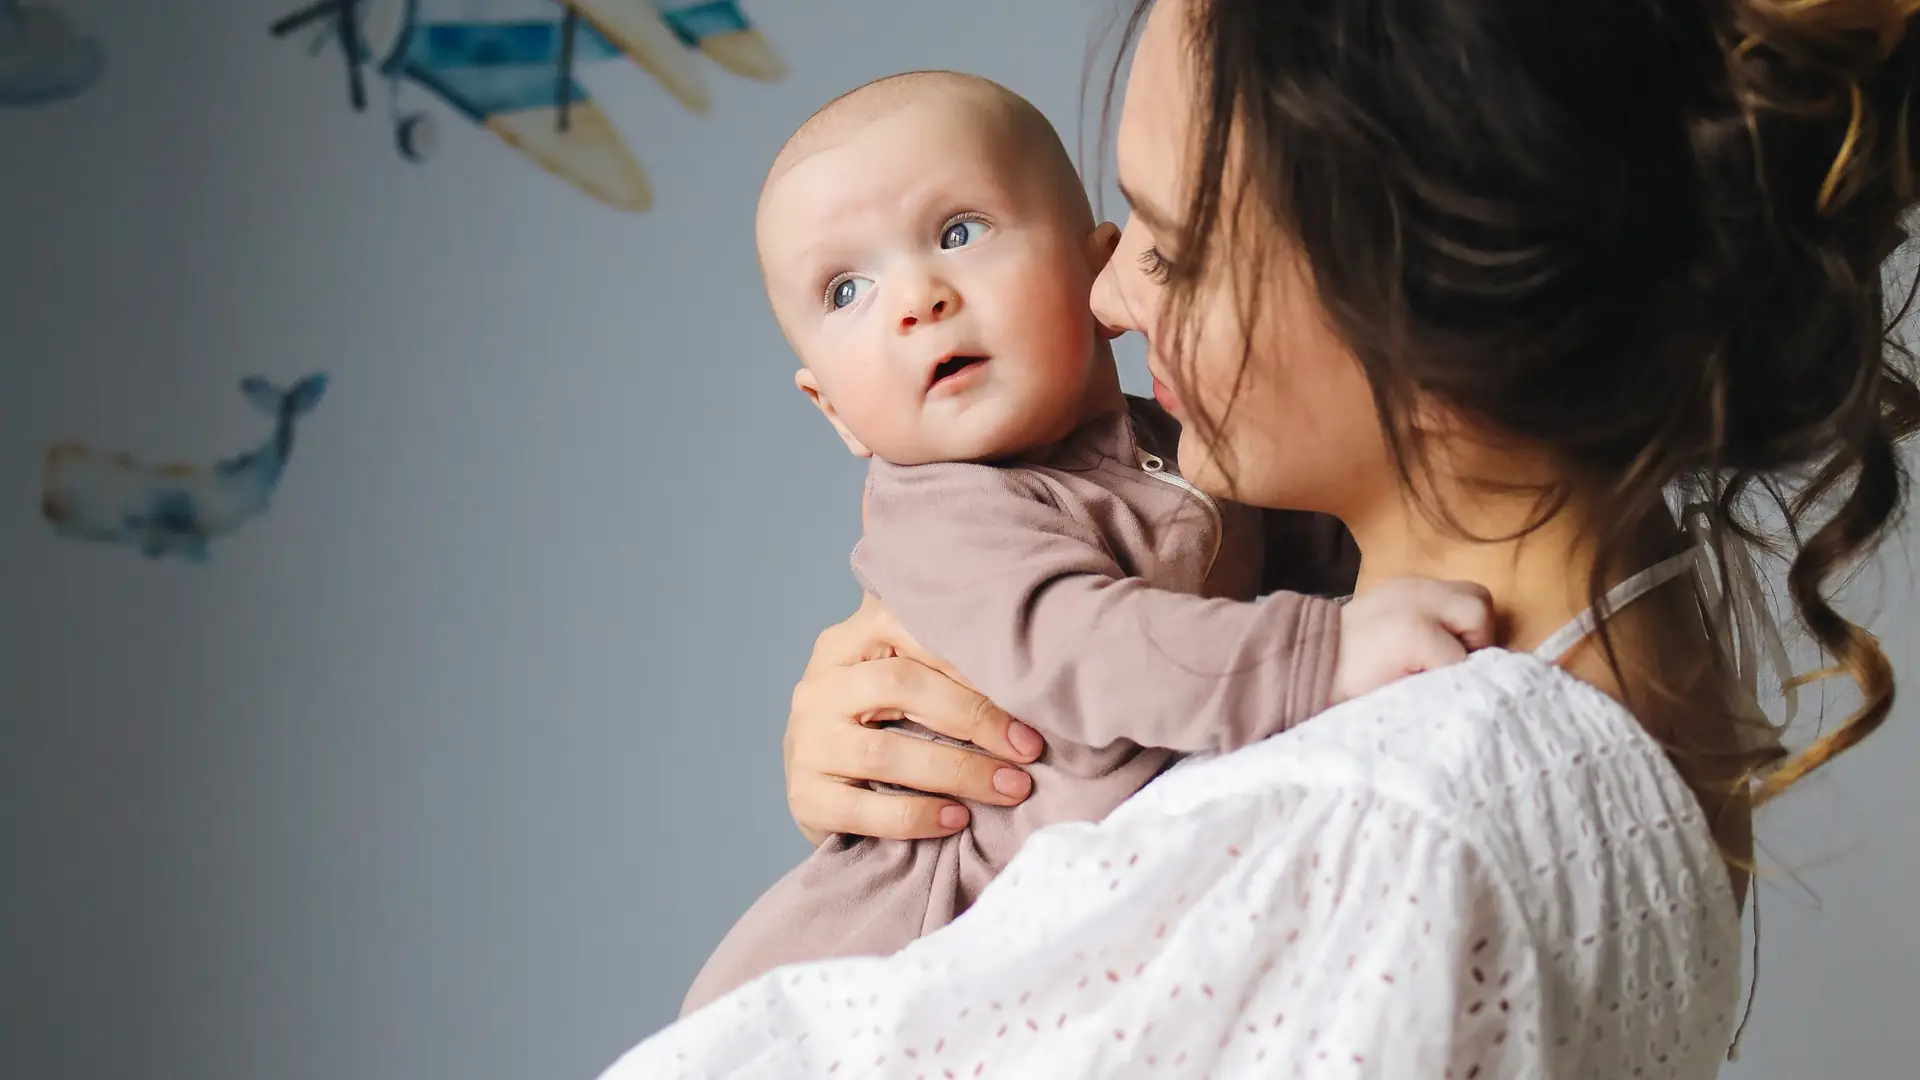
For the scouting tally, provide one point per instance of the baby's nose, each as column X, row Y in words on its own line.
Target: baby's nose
column 931, row 312
column 934, row 302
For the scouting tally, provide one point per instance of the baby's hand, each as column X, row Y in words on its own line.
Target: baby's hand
column 1405, row 626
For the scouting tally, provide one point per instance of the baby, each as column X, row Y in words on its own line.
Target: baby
column 928, row 251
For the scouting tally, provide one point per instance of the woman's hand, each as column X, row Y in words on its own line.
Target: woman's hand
column 865, row 671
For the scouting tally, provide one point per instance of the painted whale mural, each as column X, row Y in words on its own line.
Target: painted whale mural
column 176, row 509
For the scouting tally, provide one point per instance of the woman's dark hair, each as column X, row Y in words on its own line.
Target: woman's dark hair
column 1646, row 235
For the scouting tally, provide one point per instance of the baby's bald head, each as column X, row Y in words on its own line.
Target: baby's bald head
column 1011, row 119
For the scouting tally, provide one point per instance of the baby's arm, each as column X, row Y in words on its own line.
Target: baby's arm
column 1026, row 602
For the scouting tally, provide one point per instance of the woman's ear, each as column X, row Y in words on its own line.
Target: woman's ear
column 810, row 386
column 1101, row 244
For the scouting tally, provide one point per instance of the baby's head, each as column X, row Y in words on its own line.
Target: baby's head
column 928, row 251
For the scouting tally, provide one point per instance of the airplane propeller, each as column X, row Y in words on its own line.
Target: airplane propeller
column 344, row 15
column 569, row 25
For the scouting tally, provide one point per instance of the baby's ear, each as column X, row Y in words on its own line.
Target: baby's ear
column 1101, row 244
column 810, row 386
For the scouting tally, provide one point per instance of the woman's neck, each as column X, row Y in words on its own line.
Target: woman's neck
column 1538, row 581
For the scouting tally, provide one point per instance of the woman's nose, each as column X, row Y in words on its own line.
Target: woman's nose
column 1110, row 310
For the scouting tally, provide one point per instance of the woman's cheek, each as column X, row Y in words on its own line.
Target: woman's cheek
column 1219, row 360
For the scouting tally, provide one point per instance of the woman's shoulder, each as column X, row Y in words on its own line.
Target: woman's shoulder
column 1499, row 727
column 1550, row 784
column 1497, row 826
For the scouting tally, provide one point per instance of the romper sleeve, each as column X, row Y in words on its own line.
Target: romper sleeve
column 987, row 571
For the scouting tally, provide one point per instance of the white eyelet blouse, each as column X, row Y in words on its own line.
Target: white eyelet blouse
column 1489, row 870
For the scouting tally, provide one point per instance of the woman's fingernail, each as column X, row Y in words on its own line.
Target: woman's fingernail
column 1024, row 739
column 1012, row 783
column 953, row 817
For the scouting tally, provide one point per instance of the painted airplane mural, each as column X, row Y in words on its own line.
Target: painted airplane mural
column 508, row 66
column 43, row 57
column 174, row 509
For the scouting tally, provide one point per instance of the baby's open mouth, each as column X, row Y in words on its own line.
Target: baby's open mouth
column 954, row 365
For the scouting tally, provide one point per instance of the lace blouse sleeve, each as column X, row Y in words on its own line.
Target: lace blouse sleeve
column 1399, row 954
column 1328, row 933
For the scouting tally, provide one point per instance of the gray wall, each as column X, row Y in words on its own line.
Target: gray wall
column 458, row 761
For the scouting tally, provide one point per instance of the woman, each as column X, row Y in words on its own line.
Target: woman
column 1487, row 281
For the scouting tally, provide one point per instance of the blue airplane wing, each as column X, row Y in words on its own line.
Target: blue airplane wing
column 483, row 69
column 719, row 29
column 691, row 22
column 507, row 78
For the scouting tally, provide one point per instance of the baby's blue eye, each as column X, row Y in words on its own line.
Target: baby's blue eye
column 962, row 233
column 846, row 292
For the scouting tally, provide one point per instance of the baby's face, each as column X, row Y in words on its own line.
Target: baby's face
column 935, row 295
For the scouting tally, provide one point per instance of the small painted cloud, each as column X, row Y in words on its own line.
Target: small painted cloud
column 43, row 56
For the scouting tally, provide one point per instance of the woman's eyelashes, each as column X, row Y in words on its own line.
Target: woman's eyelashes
column 1155, row 265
